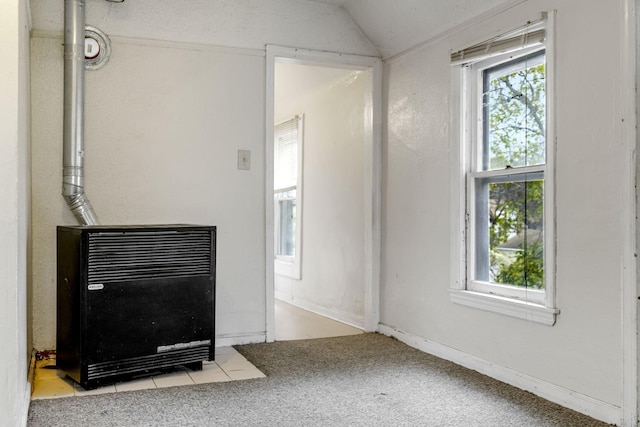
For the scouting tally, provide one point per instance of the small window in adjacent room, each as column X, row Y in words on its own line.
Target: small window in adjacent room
column 287, row 196
column 505, row 161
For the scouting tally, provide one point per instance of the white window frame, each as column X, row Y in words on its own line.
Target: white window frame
column 291, row 266
column 534, row 305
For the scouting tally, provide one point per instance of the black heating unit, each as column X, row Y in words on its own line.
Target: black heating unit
column 133, row 300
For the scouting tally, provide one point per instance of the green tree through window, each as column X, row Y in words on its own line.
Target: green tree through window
column 514, row 132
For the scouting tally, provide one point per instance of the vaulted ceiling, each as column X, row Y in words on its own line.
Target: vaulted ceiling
column 386, row 26
column 394, row 26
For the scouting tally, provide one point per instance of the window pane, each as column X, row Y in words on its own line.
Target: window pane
column 510, row 251
column 287, row 235
column 286, row 141
column 514, row 113
column 285, row 170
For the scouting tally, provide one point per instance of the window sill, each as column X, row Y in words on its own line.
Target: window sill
column 290, row 268
column 508, row 306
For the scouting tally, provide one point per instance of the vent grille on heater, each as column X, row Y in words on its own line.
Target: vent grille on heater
column 155, row 361
column 118, row 256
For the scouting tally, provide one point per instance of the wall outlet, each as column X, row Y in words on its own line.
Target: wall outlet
column 244, row 160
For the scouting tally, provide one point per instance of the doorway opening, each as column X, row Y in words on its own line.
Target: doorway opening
column 322, row 193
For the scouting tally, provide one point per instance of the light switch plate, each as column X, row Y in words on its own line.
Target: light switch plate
column 244, row 160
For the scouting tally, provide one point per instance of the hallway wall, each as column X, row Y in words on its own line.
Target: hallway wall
column 332, row 280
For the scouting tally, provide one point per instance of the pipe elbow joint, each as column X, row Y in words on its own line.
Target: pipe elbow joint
column 79, row 204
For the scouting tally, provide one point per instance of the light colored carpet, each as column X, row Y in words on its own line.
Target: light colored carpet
column 359, row 380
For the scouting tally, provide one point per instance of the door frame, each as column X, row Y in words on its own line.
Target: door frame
column 629, row 112
column 372, row 171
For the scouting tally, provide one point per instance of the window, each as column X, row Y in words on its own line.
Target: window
column 506, row 205
column 287, row 191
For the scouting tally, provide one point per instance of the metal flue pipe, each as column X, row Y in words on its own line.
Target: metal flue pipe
column 73, row 132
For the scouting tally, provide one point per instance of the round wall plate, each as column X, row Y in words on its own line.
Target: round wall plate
column 97, row 48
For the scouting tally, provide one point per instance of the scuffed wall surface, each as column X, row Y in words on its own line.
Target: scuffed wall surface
column 581, row 352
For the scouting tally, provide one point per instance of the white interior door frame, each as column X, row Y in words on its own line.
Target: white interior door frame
column 372, row 171
column 630, row 73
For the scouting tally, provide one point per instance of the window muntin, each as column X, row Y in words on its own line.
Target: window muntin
column 505, row 199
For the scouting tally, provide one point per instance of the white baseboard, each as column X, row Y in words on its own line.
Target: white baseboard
column 562, row 396
column 24, row 406
column 227, row 340
column 23, row 414
column 339, row 316
column 283, row 296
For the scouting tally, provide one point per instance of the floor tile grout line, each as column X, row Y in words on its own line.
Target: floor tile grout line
column 76, row 391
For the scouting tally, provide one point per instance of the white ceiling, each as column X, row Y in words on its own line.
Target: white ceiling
column 394, row 26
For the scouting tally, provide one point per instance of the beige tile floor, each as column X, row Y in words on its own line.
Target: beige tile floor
column 292, row 323
column 229, row 365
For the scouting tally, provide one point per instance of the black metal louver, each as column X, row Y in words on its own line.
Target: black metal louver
column 153, row 361
column 135, row 255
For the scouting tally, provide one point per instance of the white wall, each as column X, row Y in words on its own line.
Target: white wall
column 582, row 353
column 333, row 180
column 14, row 215
column 164, row 121
column 162, row 129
